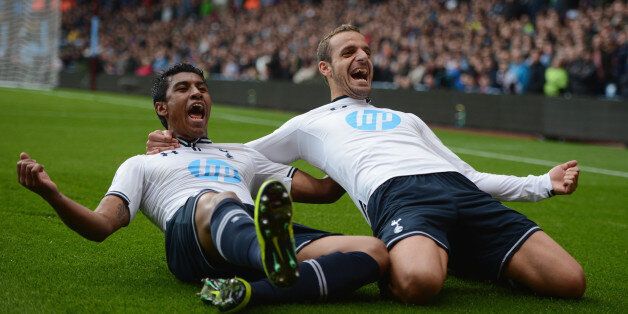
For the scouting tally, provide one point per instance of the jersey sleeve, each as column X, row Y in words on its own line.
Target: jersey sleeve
column 128, row 183
column 268, row 170
column 281, row 145
column 502, row 187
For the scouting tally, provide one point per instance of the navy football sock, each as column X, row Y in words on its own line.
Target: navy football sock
column 233, row 234
column 331, row 275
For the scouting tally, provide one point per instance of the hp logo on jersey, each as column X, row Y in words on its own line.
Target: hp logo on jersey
column 373, row 120
column 214, row 170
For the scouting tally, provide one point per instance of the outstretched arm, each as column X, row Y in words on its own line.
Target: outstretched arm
column 110, row 215
column 559, row 180
column 307, row 189
column 159, row 140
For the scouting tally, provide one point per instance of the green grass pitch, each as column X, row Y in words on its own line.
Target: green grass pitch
column 82, row 138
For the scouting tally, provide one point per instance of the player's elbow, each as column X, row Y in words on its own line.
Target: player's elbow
column 332, row 192
column 330, row 197
column 98, row 238
column 96, row 235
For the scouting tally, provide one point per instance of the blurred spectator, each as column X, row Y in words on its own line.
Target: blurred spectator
column 486, row 46
column 537, row 73
column 145, row 68
column 519, row 73
column 556, row 78
column 308, row 72
column 581, row 72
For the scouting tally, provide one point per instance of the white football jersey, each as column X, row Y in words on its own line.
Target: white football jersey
column 160, row 184
column 361, row 146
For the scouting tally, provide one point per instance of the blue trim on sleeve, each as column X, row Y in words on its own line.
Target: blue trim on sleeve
column 120, row 195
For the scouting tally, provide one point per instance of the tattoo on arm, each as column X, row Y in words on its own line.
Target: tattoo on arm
column 122, row 214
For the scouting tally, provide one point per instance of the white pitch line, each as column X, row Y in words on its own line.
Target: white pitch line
column 274, row 123
column 535, row 161
column 249, row 120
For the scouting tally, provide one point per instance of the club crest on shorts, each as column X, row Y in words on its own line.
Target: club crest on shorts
column 373, row 120
column 398, row 227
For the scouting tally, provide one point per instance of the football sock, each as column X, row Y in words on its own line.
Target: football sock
column 331, row 275
column 233, row 234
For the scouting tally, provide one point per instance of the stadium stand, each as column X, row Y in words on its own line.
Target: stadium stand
column 491, row 47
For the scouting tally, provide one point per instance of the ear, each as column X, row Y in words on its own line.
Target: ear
column 325, row 68
column 161, row 109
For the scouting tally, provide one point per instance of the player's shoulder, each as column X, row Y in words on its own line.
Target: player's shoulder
column 394, row 111
column 135, row 161
column 385, row 108
column 139, row 158
column 328, row 108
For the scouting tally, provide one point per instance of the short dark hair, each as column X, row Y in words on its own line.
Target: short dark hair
column 323, row 52
column 161, row 82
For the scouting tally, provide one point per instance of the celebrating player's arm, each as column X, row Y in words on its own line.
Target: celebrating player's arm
column 305, row 188
column 560, row 180
column 110, row 215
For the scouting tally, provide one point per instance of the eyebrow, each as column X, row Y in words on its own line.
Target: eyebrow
column 352, row 48
column 188, row 83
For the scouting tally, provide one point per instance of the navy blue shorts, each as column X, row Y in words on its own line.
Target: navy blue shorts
column 187, row 261
column 478, row 232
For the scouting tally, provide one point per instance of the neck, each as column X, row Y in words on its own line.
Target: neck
column 187, row 137
column 335, row 93
column 339, row 98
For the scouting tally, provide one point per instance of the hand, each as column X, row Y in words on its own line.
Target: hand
column 32, row 176
column 564, row 177
column 159, row 140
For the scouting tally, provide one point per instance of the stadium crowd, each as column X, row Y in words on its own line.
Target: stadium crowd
column 491, row 46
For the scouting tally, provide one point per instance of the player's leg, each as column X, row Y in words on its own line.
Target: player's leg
column 495, row 242
column 412, row 215
column 545, row 267
column 372, row 246
column 189, row 257
column 226, row 231
column 418, row 268
column 264, row 243
column 331, row 266
column 326, row 277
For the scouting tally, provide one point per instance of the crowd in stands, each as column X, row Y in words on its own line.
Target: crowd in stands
column 553, row 47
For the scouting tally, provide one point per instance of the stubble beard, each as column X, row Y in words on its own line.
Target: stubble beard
column 345, row 87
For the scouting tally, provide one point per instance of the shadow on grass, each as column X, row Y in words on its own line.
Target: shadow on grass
column 457, row 295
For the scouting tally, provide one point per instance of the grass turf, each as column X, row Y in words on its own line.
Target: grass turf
column 82, row 138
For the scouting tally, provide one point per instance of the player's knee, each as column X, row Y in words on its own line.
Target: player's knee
column 207, row 204
column 209, row 201
column 417, row 287
column 218, row 198
column 566, row 281
column 572, row 282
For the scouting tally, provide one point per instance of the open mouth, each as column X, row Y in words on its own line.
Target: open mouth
column 196, row 111
column 360, row 74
